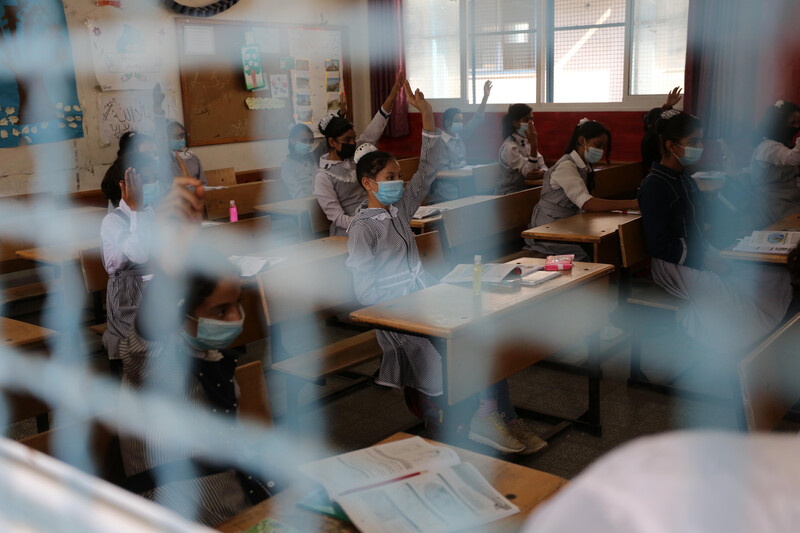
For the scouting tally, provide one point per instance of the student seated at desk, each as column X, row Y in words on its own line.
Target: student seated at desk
column 774, row 165
column 385, row 264
column 567, row 187
column 335, row 185
column 651, row 151
column 455, row 132
column 125, row 236
column 519, row 155
column 732, row 305
column 189, row 313
column 182, row 161
column 301, row 165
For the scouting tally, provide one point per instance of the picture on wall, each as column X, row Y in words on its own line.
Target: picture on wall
column 38, row 97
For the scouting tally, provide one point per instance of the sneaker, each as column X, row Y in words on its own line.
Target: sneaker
column 520, row 430
column 492, row 431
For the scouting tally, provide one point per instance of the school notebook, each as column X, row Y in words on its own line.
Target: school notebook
column 409, row 485
column 490, row 273
column 425, row 212
column 769, row 242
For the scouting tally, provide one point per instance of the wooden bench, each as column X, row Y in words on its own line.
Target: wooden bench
column 408, row 167
column 258, row 174
column 221, row 177
column 618, row 180
column 95, row 280
column 769, row 378
column 491, row 229
column 246, row 196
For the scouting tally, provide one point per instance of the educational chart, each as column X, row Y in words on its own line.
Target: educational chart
column 38, row 98
column 121, row 112
column 321, row 65
column 127, row 55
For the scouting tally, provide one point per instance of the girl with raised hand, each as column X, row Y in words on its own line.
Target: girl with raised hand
column 567, row 186
column 384, row 261
column 519, row 155
column 335, row 184
column 732, row 305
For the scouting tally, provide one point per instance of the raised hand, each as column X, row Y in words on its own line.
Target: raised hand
column 487, row 89
column 182, row 204
column 417, row 100
column 673, row 97
column 533, row 138
column 342, row 104
column 131, row 187
column 388, row 105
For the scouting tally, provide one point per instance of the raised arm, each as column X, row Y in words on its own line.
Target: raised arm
column 430, row 157
column 477, row 118
column 372, row 133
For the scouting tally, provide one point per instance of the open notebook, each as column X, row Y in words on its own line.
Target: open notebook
column 409, row 485
column 769, row 242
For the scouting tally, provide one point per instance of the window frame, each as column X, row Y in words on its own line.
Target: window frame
column 544, row 33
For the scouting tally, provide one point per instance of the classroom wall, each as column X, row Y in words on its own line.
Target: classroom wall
column 554, row 128
column 80, row 164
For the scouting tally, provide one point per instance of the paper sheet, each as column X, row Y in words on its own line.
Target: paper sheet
column 769, row 242
column 377, row 464
column 451, row 499
column 491, row 273
column 426, row 211
column 537, row 278
column 250, row 265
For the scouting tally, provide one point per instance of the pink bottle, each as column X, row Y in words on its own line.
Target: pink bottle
column 233, row 212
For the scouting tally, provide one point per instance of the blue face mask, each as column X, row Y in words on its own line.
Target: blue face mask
column 389, row 192
column 457, row 127
column 523, row 129
column 592, row 155
column 214, row 334
column 691, row 155
column 177, row 145
column 301, row 148
column 150, row 193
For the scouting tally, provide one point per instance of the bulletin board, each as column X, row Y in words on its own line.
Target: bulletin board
column 290, row 85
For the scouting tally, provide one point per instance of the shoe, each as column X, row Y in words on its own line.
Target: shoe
column 492, row 431
column 520, row 430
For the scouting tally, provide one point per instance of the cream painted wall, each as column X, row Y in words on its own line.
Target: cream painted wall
column 80, row 164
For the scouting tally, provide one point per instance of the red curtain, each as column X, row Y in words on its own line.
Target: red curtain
column 386, row 59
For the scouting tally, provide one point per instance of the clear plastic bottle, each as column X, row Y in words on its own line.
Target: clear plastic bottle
column 477, row 274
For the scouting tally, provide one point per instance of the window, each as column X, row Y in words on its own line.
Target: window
column 550, row 51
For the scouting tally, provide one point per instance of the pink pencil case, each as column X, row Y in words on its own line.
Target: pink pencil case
column 559, row 262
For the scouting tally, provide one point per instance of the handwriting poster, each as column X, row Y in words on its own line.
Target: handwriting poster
column 129, row 111
column 127, row 55
column 38, row 98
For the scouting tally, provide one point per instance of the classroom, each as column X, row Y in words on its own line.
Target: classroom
column 399, row 265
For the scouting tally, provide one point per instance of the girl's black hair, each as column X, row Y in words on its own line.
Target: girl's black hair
column 774, row 124
column 370, row 164
column 295, row 133
column 129, row 144
column 449, row 115
column 515, row 112
column 337, row 127
column 201, row 283
column 675, row 127
column 650, row 118
column 590, row 129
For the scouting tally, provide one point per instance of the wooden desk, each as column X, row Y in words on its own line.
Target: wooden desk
column 534, row 183
column 16, row 334
column 484, row 339
column 307, row 252
column 296, row 209
column 597, row 229
column 424, row 225
column 56, row 256
column 617, row 180
column 529, row 489
column 787, row 223
column 461, row 177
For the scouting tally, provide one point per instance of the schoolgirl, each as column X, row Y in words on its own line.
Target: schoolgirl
column 335, row 185
column 125, row 239
column 774, row 165
column 385, row 264
column 300, row 166
column 732, row 305
column 519, row 154
column 567, row 186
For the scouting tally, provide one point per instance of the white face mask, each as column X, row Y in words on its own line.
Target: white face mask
column 591, row 154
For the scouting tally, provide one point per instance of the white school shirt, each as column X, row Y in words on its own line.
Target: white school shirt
column 777, row 154
column 515, row 153
column 567, row 178
column 121, row 242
